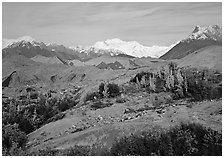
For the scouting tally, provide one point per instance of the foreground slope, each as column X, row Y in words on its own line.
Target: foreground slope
column 106, row 125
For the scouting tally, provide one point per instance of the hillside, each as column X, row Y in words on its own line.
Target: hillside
column 31, row 49
column 108, row 59
column 10, row 64
column 209, row 57
column 46, row 60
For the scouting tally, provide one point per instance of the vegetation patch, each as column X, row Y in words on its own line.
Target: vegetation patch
column 199, row 84
column 109, row 90
column 184, row 140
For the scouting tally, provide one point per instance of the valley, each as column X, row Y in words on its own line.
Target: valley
column 64, row 97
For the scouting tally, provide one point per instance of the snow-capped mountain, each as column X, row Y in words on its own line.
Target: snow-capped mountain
column 213, row 32
column 111, row 47
column 30, row 48
column 8, row 42
column 199, row 38
column 132, row 48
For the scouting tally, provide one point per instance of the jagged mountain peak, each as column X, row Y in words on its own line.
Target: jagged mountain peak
column 210, row 28
column 26, row 38
column 26, row 43
column 213, row 32
column 23, row 39
column 199, row 38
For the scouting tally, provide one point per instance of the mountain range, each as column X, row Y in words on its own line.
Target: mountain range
column 112, row 47
column 113, row 50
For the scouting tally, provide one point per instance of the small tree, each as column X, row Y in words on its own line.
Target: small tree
column 113, row 90
column 12, row 135
column 101, row 89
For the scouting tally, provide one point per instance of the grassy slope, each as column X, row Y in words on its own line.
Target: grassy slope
column 48, row 135
column 207, row 113
column 210, row 57
column 46, row 60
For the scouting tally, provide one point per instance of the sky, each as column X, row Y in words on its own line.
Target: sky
column 76, row 23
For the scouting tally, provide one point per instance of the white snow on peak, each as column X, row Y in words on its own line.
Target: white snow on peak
column 8, row 42
column 210, row 32
column 26, row 38
column 79, row 47
column 132, row 48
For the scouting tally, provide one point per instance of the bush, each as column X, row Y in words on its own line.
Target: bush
column 200, row 84
column 108, row 90
column 73, row 151
column 63, row 105
column 113, row 90
column 11, row 137
column 76, row 151
column 101, row 89
column 203, row 84
column 186, row 139
column 43, row 152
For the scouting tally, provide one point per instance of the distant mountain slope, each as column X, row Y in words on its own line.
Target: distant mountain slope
column 64, row 52
column 46, row 60
column 76, row 63
column 199, row 38
column 210, row 57
column 114, row 66
column 10, row 64
column 33, row 48
column 108, row 59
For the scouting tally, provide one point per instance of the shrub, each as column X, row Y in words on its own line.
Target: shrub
column 101, row 89
column 203, row 84
column 63, row 105
column 113, row 90
column 186, row 139
column 73, row 151
column 76, row 151
column 11, row 137
column 43, row 152
column 200, row 84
